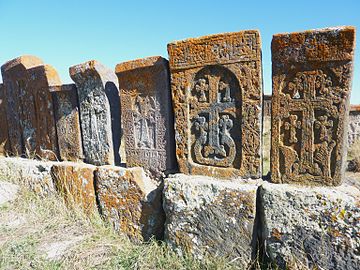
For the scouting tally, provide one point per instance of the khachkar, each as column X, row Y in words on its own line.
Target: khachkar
column 217, row 97
column 146, row 114
column 29, row 107
column 4, row 135
column 67, row 120
column 94, row 84
column 312, row 73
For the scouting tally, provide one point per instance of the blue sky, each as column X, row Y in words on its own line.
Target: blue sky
column 68, row 32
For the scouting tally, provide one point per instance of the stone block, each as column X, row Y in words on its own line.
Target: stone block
column 207, row 216
column 131, row 201
column 75, row 181
column 146, row 114
column 310, row 227
column 33, row 174
column 99, row 115
column 312, row 73
column 67, row 120
column 216, row 86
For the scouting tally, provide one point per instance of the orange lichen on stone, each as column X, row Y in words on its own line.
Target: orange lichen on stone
column 75, row 181
column 131, row 201
column 217, row 98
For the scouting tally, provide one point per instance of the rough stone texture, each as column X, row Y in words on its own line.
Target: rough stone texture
column 75, row 181
column 209, row 216
column 267, row 105
column 217, row 97
column 98, row 122
column 33, row 174
column 67, row 120
column 131, row 201
column 312, row 74
column 354, row 124
column 311, row 227
column 29, row 106
column 4, row 136
column 8, row 192
column 146, row 114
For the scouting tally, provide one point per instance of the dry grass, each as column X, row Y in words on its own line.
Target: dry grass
column 32, row 228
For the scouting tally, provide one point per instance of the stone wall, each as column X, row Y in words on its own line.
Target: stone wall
column 173, row 149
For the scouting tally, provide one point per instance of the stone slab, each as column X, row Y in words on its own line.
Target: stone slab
column 94, row 83
column 131, row 201
column 312, row 73
column 32, row 174
column 67, row 119
column 354, row 125
column 216, row 86
column 146, row 114
column 29, row 106
column 310, row 227
column 4, row 135
column 207, row 216
column 75, row 181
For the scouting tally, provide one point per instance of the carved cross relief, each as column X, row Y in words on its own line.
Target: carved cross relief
column 213, row 111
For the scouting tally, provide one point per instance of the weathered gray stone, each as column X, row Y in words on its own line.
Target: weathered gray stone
column 208, row 216
column 146, row 114
column 94, row 84
column 131, row 201
column 311, row 227
column 33, row 174
column 67, row 120
column 354, row 125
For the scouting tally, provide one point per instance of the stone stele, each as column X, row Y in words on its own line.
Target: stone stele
column 131, row 201
column 67, row 121
column 310, row 227
column 146, row 114
column 217, row 97
column 93, row 81
column 4, row 136
column 312, row 73
column 75, row 181
column 206, row 216
column 29, row 107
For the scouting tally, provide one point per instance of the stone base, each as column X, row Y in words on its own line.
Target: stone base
column 311, row 227
column 206, row 216
column 31, row 173
column 131, row 201
column 75, row 181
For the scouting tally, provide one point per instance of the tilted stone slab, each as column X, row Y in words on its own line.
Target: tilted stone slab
column 312, row 74
column 75, row 181
column 217, row 97
column 67, row 120
column 29, row 106
column 4, row 135
column 131, row 201
column 310, row 227
column 30, row 173
column 146, row 114
column 206, row 216
column 94, row 82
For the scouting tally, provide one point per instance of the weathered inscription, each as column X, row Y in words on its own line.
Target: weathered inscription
column 217, row 97
column 310, row 105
